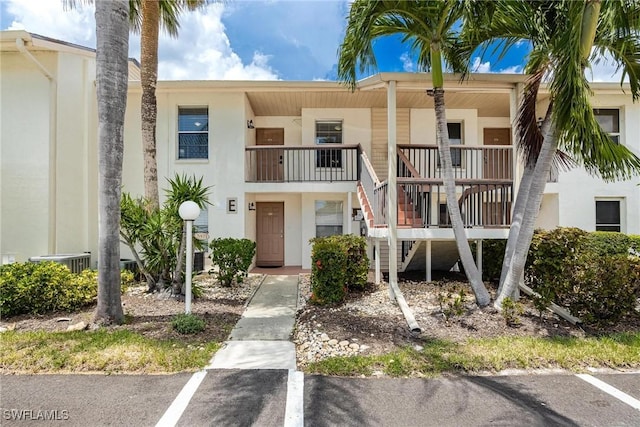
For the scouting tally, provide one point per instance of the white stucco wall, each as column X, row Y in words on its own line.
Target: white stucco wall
column 356, row 124
column 25, row 136
column 578, row 191
column 48, row 210
column 423, row 125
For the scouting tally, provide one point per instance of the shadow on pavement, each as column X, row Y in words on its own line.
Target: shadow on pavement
column 329, row 403
column 534, row 408
column 239, row 398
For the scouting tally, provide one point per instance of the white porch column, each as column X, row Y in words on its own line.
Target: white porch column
column 392, row 201
column 428, row 260
column 514, row 101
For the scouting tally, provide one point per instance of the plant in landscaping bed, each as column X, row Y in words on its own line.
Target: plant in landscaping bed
column 451, row 302
column 38, row 288
column 188, row 324
column 156, row 237
column 357, row 260
column 511, row 311
column 328, row 271
column 605, row 289
column 232, row 257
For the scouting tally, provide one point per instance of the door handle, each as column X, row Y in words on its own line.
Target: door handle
column 280, row 161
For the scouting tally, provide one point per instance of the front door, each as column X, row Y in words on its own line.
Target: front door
column 270, row 161
column 270, row 234
column 498, row 164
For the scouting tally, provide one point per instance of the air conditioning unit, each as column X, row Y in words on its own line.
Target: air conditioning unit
column 75, row 262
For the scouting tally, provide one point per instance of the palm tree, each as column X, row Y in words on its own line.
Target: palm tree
column 147, row 16
column 430, row 27
column 112, row 46
column 566, row 37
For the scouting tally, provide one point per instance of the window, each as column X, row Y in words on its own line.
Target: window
column 608, row 215
column 193, row 133
column 328, row 218
column 455, row 138
column 609, row 121
column 329, row 132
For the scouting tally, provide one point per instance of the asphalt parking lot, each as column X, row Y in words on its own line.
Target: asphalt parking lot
column 260, row 398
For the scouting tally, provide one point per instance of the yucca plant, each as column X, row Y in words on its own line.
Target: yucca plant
column 156, row 237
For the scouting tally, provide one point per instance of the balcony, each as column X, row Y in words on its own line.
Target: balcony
column 281, row 163
column 484, row 188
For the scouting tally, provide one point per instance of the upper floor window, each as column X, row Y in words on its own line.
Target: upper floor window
column 455, row 138
column 193, row 133
column 608, row 215
column 329, row 132
column 609, row 121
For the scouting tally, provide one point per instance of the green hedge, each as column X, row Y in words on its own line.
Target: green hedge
column 338, row 264
column 37, row 288
column 591, row 274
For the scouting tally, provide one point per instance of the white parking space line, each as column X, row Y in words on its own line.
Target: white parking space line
column 620, row 395
column 173, row 414
column 294, row 410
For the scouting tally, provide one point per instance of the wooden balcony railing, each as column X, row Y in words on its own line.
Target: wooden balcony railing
column 485, row 162
column 317, row 163
column 422, row 203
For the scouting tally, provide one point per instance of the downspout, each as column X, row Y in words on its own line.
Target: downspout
column 392, row 210
column 53, row 144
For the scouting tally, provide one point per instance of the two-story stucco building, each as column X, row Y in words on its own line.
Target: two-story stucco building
column 287, row 161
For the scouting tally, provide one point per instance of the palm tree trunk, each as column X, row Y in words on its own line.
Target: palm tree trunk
column 532, row 208
column 148, row 108
column 470, row 268
column 520, row 211
column 112, row 46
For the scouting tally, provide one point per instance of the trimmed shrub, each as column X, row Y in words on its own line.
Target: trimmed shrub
column 232, row 257
column 604, row 288
column 609, row 243
column 188, row 324
column 328, row 271
column 357, row 260
column 36, row 288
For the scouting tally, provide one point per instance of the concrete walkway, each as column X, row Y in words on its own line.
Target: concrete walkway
column 261, row 338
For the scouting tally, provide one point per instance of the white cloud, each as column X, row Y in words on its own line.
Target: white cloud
column 407, row 63
column 201, row 51
column 604, row 71
column 485, row 67
column 480, row 67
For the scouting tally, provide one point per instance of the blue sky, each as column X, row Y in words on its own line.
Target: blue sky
column 241, row 40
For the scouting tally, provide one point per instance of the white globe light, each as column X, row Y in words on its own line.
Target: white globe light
column 189, row 210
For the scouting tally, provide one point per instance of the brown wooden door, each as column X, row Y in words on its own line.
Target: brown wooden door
column 270, row 162
column 498, row 165
column 270, row 234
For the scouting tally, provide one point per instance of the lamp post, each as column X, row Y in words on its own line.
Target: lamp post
column 188, row 211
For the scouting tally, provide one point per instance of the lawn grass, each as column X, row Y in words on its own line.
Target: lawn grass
column 105, row 351
column 492, row 355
